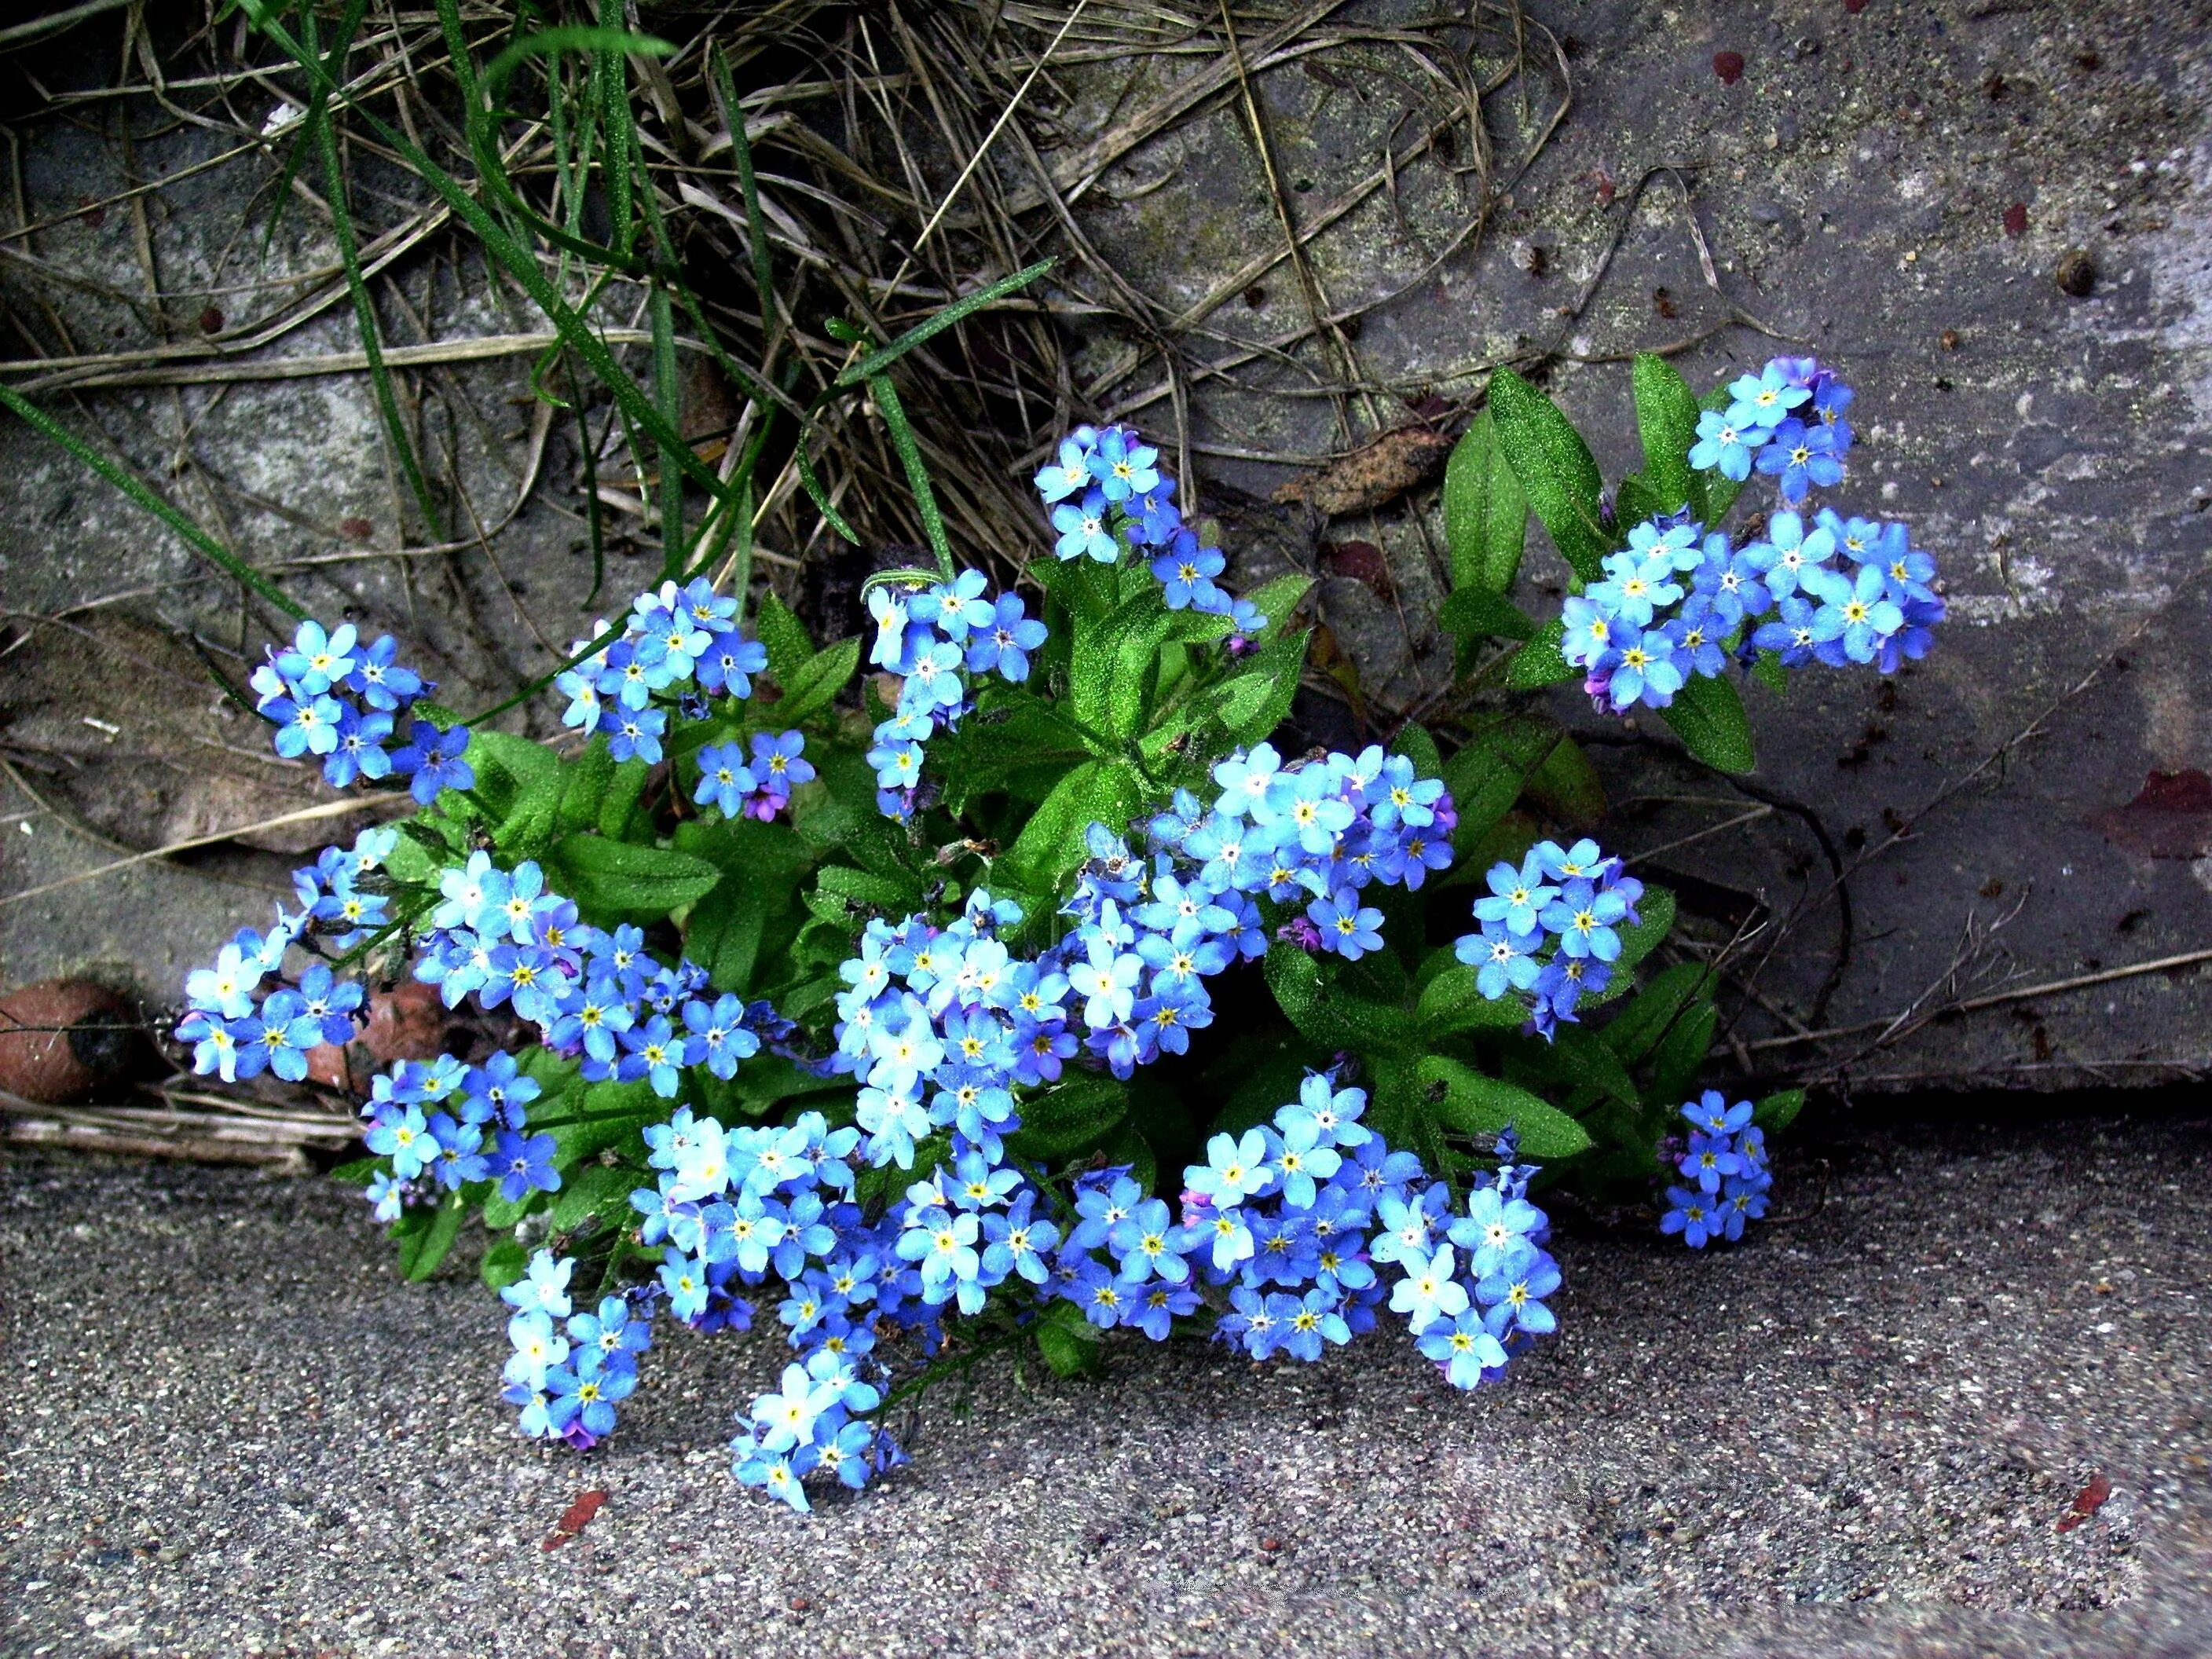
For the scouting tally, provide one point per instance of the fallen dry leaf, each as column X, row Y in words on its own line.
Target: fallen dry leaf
column 2170, row 818
column 2087, row 1502
column 577, row 1516
column 1381, row 470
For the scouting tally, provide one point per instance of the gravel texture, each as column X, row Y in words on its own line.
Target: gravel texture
column 232, row 1430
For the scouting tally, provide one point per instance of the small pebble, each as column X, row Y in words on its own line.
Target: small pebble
column 2076, row 273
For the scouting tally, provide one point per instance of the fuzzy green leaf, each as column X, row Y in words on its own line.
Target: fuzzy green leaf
column 1452, row 1002
column 618, row 880
column 1471, row 616
column 1708, row 715
column 1254, row 703
column 1330, row 1017
column 1473, row 1103
column 504, row 1263
column 1068, row 1343
column 1486, row 513
column 1542, row 662
column 1277, row 600
column 1639, row 1027
column 1778, row 1111
column 1667, row 421
column 789, row 647
column 1566, row 785
column 816, row 684
column 1656, row 913
column 1051, row 843
column 1484, row 777
column 600, row 1189
column 1069, row 1117
column 426, row 1235
column 1557, row 471
column 1679, row 1055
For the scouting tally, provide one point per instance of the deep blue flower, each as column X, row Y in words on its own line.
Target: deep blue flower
column 1002, row 646
column 1724, row 447
column 524, row 1165
column 724, row 779
column 1690, row 1213
column 1346, row 926
column 1800, row 457
column 1083, row 531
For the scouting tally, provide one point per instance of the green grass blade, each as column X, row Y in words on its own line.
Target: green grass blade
column 521, row 268
column 456, row 48
column 668, row 395
column 877, row 360
column 44, row 423
column 734, row 118
column 620, row 126
column 917, row 473
column 324, row 137
column 318, row 104
column 621, row 137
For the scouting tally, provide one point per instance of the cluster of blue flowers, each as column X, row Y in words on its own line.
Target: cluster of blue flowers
column 1788, row 420
column 1549, row 928
column 674, row 638
column 1680, row 601
column 1282, row 1216
column 1106, row 491
column 569, row 1368
column 332, row 697
column 235, row 1029
column 596, row 995
column 1724, row 1171
column 732, row 1207
column 928, row 639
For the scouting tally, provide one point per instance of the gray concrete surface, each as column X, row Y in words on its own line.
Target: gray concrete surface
column 230, row 1430
column 1852, row 188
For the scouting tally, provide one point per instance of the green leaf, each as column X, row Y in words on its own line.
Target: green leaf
column 1068, row 1342
column 1329, row 1016
column 1680, row 1054
column 1484, row 777
column 597, row 1116
column 1778, row 1111
column 1557, row 471
column 1541, row 661
column 1051, row 843
column 1415, row 744
column 1566, row 785
column 1471, row 616
column 762, row 865
column 1486, row 513
column 1069, row 1117
column 425, row 1236
column 816, row 684
column 619, row 879
column 503, row 1264
column 1656, row 915
column 1452, row 1002
column 789, row 647
column 1475, row 1104
column 597, row 1190
column 1583, row 1058
column 1708, row 715
column 1667, row 421
column 1254, row 703
column 1636, row 1030
column 1277, row 598
column 1637, row 501
column 868, row 889
column 1767, row 668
